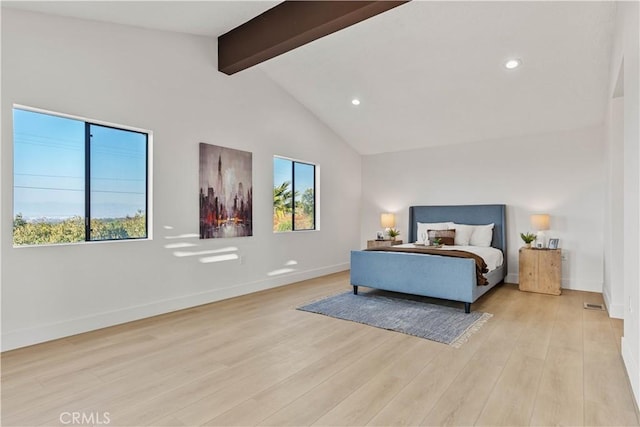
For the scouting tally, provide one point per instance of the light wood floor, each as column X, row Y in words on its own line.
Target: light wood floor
column 255, row 360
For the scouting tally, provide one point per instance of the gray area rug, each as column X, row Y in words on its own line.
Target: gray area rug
column 408, row 315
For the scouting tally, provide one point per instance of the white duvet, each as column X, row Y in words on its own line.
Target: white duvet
column 492, row 257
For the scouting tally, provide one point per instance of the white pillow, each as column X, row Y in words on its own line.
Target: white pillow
column 482, row 235
column 423, row 227
column 463, row 234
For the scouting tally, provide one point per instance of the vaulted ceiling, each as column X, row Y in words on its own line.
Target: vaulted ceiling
column 427, row 73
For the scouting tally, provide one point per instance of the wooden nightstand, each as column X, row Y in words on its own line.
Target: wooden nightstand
column 380, row 243
column 540, row 270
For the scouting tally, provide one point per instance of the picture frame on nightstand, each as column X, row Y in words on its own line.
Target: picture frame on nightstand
column 553, row 243
column 380, row 235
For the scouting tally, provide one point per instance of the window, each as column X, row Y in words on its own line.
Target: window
column 294, row 195
column 77, row 181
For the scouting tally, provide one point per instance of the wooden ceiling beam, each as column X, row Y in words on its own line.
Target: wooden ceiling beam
column 289, row 25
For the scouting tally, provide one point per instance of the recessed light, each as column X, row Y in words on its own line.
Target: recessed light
column 510, row 64
column 355, row 101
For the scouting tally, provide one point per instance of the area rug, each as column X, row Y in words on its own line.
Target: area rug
column 406, row 314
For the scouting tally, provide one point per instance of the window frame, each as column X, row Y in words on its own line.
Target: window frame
column 88, row 122
column 316, row 194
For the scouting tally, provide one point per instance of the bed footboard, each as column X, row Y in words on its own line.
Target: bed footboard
column 426, row 275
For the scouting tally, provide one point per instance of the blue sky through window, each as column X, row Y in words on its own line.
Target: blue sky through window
column 118, row 172
column 283, row 172
column 49, row 168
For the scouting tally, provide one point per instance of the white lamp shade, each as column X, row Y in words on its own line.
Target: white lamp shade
column 540, row 221
column 387, row 220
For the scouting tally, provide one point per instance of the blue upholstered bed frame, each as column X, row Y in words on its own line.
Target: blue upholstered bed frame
column 432, row 275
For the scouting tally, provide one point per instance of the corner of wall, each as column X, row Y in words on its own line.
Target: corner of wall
column 632, row 370
column 616, row 311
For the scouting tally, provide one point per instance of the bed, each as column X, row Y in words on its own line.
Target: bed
column 433, row 275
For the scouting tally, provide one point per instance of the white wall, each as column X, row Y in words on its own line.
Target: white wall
column 626, row 51
column 167, row 83
column 560, row 173
column 613, row 287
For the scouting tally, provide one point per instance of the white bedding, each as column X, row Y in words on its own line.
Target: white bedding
column 492, row 257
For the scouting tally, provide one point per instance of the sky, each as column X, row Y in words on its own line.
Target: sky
column 282, row 172
column 49, row 168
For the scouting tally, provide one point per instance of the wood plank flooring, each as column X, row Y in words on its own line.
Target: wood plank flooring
column 256, row 360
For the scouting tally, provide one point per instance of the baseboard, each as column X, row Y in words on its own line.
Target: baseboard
column 615, row 310
column 512, row 278
column 29, row 336
column 582, row 285
column 632, row 371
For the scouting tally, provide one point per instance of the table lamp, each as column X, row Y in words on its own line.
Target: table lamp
column 387, row 221
column 540, row 223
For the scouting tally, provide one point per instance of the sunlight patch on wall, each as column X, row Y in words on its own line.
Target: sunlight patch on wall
column 218, row 258
column 179, row 245
column 209, row 252
column 281, row 271
column 184, row 236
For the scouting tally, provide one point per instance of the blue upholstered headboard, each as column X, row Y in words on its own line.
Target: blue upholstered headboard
column 463, row 214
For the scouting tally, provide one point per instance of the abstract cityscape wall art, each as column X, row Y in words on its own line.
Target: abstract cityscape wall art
column 226, row 192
